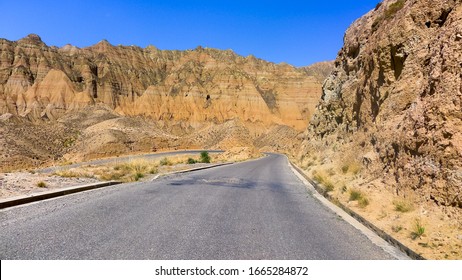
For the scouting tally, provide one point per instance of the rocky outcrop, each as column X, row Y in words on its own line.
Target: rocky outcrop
column 393, row 102
column 196, row 86
column 72, row 104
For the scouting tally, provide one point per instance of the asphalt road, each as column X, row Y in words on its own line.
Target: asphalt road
column 252, row 210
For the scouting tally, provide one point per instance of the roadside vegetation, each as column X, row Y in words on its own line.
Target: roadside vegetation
column 41, row 184
column 403, row 206
column 418, row 229
column 360, row 197
column 205, row 157
column 133, row 170
column 323, row 179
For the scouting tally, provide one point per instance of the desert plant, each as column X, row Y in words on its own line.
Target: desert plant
column 418, row 229
column 329, row 186
column 165, row 161
column 355, row 195
column 191, row 161
column 138, row 175
column 41, row 184
column 67, row 173
column 394, row 8
column 363, row 201
column 205, row 157
column 403, row 206
column 352, row 167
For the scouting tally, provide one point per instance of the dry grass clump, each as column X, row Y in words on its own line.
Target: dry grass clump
column 351, row 167
column 323, row 179
column 403, row 206
column 74, row 173
column 165, row 161
column 357, row 195
column 126, row 171
column 129, row 171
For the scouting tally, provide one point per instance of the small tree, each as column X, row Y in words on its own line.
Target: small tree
column 205, row 158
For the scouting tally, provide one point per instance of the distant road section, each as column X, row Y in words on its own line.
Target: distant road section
column 252, row 210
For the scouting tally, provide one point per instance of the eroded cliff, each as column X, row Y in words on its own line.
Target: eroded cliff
column 390, row 113
column 120, row 99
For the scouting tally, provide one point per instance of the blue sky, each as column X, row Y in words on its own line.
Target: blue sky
column 296, row 32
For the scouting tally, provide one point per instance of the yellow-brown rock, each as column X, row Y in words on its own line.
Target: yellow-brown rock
column 394, row 100
column 195, row 86
column 108, row 100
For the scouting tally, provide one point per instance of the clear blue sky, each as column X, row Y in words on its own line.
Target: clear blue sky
column 296, row 32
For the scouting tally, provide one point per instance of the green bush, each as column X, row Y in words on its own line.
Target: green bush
column 138, row 175
column 355, row 195
column 205, row 158
column 191, row 161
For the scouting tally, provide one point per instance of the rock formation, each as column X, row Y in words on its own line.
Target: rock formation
column 396, row 93
column 196, row 86
column 392, row 111
column 200, row 98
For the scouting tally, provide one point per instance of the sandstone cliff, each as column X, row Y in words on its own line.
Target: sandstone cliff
column 391, row 109
column 197, row 86
column 107, row 100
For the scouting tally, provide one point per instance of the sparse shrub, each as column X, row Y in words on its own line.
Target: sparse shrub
column 403, row 206
column 322, row 179
column 205, row 157
column 129, row 171
column 329, row 187
column 138, row 175
column 344, row 189
column 41, row 184
column 363, row 202
column 110, row 176
column 191, row 161
column 355, row 195
column 67, row 173
column 389, row 13
column 165, row 161
column 418, row 230
column 352, row 167
column 394, row 8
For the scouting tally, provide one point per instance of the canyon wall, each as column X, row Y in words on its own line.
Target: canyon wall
column 393, row 104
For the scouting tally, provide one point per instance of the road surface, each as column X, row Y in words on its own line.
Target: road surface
column 253, row 210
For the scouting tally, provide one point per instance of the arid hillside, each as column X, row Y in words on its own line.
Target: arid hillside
column 389, row 122
column 72, row 104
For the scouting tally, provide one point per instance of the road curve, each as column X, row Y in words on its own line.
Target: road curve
column 252, row 210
